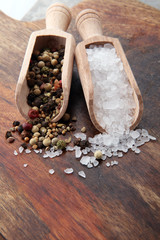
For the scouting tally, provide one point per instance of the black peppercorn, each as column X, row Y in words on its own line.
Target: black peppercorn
column 8, row 134
column 16, row 123
column 24, row 145
column 20, row 128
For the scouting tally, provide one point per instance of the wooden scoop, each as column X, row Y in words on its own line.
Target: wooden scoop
column 58, row 17
column 89, row 27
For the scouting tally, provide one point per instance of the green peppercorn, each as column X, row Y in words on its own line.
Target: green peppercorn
column 61, row 144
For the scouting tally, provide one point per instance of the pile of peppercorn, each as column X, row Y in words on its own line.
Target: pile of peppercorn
column 45, row 83
column 39, row 133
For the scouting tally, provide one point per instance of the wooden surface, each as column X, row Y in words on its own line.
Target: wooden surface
column 120, row 203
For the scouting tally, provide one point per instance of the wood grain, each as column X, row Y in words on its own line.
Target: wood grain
column 111, row 203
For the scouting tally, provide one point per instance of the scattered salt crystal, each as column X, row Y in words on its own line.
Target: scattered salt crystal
column 27, row 151
column 137, row 150
column 69, row 148
column 89, row 165
column 104, row 157
column 144, row 132
column 84, row 151
column 25, row 165
column 82, row 136
column 115, row 162
column 15, row 153
column 40, row 150
column 112, row 163
column 133, row 148
column 109, row 154
column 85, row 160
column 108, row 164
column 51, row 171
column 134, row 134
column 68, row 170
column 92, row 159
column 152, row 138
column 78, row 152
column 45, row 155
column 36, row 151
column 95, row 163
column 115, row 154
column 21, row 149
column 82, row 174
column 120, row 154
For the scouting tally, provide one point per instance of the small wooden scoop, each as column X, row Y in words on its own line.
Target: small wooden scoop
column 89, row 27
column 58, row 17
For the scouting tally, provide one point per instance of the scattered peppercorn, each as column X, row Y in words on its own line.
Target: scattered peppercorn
column 61, row 144
column 8, row 134
column 10, row 139
column 98, row 154
column 20, row 128
column 16, row 123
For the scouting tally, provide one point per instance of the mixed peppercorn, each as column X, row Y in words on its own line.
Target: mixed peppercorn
column 45, row 98
column 45, row 83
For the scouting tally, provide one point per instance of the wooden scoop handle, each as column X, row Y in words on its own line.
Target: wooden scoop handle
column 58, row 16
column 88, row 24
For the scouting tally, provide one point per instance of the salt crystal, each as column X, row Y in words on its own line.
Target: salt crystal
column 27, row 151
column 137, row 150
column 21, row 149
column 82, row 174
column 15, row 153
column 92, row 159
column 115, row 162
column 104, row 157
column 115, row 154
column 69, row 148
column 84, row 151
column 120, row 154
column 144, row 132
column 68, row 170
column 78, row 152
column 45, row 155
column 108, row 164
column 152, row 138
column 51, row 171
column 85, row 160
column 95, row 163
column 82, row 136
column 25, row 165
column 134, row 134
column 36, row 151
column 89, row 165
column 112, row 163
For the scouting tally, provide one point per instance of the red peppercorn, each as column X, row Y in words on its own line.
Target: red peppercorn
column 33, row 113
column 27, row 126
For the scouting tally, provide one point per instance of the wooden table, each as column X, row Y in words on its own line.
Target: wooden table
column 120, row 203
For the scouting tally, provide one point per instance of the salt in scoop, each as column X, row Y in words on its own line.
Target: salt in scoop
column 89, row 26
column 58, row 17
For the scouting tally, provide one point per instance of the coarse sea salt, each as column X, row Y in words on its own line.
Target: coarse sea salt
column 82, row 174
column 25, row 165
column 82, row 136
column 21, row 149
column 15, row 153
column 51, row 171
column 69, row 170
column 27, row 151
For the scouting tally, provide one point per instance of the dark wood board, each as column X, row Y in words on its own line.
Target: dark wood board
column 120, row 203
